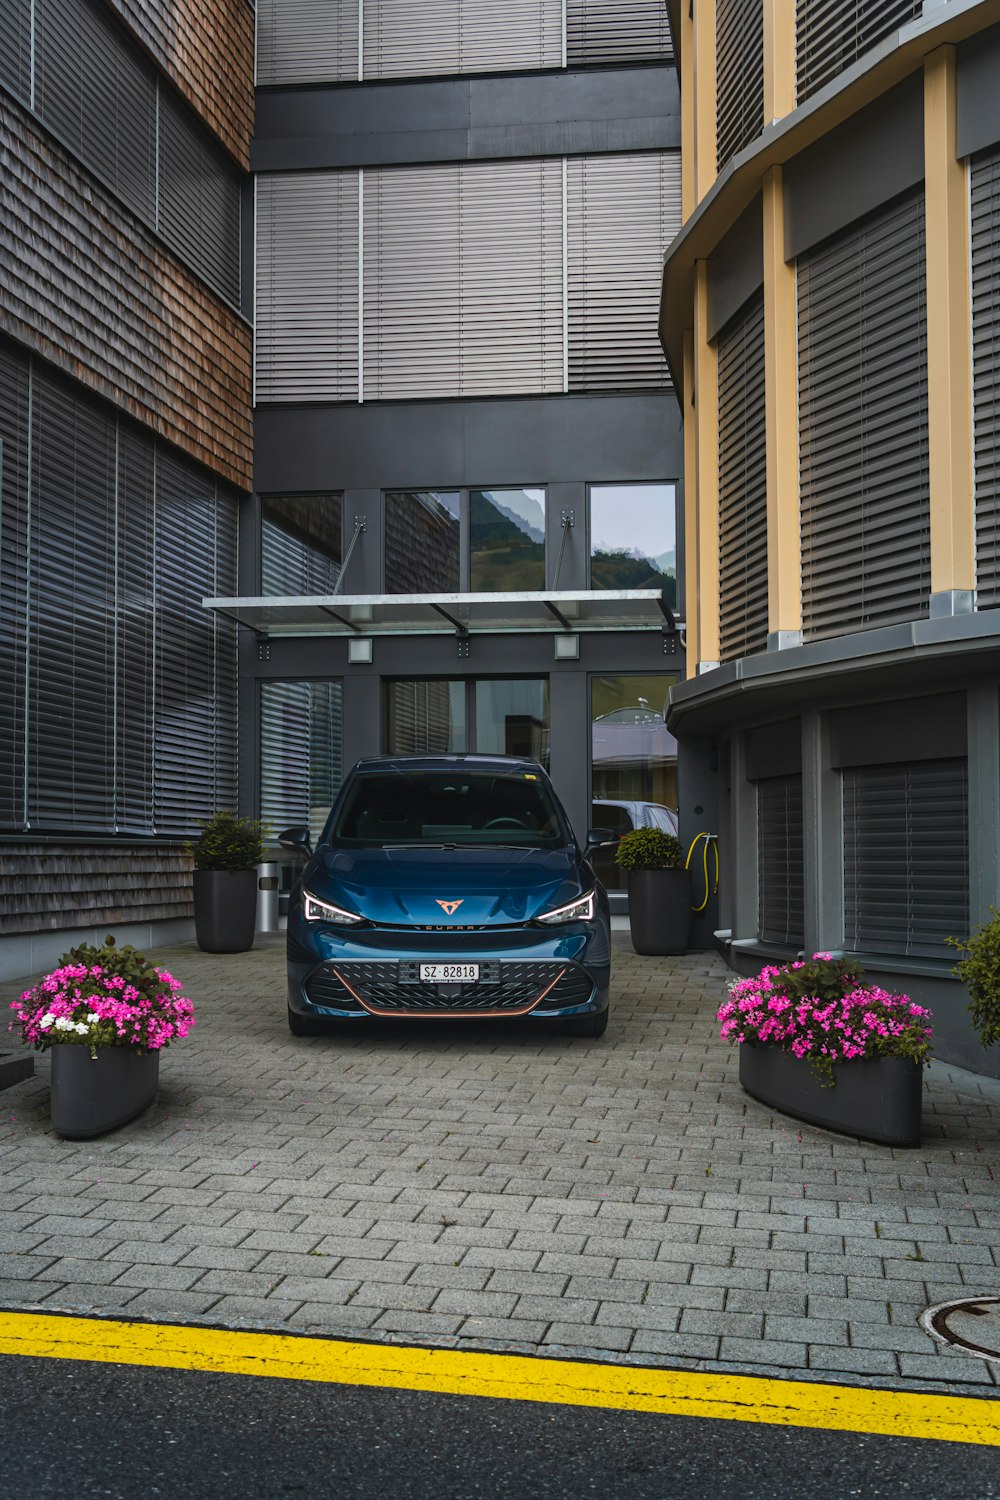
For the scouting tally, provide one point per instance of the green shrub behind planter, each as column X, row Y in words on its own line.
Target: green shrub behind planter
column 227, row 842
column 648, row 849
column 979, row 971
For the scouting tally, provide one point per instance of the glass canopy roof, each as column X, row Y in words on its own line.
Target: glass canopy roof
column 444, row 614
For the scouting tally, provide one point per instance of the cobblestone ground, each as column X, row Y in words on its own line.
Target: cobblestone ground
column 488, row 1185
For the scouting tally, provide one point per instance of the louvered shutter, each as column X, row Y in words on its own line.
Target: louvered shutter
column 863, row 464
column 739, row 63
column 14, row 441
column 986, row 373
column 136, row 723
column 403, row 39
column 616, row 31
column 832, row 34
column 72, row 613
column 906, row 858
column 199, row 198
column 194, row 696
column 15, row 46
column 780, row 862
column 307, row 41
column 99, row 96
column 463, row 280
column 306, row 344
column 742, row 486
column 623, row 211
column 301, row 744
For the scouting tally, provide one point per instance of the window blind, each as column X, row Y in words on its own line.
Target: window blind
column 307, row 294
column 863, row 461
column 199, row 198
column 743, row 587
column 906, row 858
column 986, row 373
column 832, row 34
column 402, row 39
column 301, row 743
column 463, row 280
column 15, row 47
column 780, row 862
column 307, row 41
column 739, row 70
column 616, row 31
column 14, row 469
column 622, row 212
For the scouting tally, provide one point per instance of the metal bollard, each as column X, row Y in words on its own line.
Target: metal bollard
column 267, row 897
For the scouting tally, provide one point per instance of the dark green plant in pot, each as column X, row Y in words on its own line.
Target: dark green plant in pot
column 649, row 849
column 228, row 842
column 979, row 971
column 226, row 854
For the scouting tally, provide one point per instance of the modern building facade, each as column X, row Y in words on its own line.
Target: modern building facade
column 394, row 342
column 829, row 312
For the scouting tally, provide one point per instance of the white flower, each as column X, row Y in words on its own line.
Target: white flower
column 82, row 1027
column 46, row 1020
column 93, row 1018
column 63, row 1023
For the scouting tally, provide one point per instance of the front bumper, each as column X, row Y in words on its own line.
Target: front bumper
column 374, row 972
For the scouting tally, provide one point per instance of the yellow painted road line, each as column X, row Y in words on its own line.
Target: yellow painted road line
column 741, row 1398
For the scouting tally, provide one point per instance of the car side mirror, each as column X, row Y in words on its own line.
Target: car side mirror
column 600, row 838
column 296, row 838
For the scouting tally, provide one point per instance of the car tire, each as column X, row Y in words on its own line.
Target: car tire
column 588, row 1025
column 305, row 1025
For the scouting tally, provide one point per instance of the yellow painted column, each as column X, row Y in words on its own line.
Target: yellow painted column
column 689, row 198
column 706, row 416
column 784, row 587
column 949, row 357
column 691, row 581
column 779, row 59
column 705, row 97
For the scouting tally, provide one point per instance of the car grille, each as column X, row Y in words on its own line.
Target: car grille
column 390, row 989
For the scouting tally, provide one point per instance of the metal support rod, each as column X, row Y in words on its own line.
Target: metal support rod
column 359, row 527
column 567, row 521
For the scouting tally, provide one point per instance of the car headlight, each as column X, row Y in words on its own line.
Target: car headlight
column 315, row 910
column 580, row 910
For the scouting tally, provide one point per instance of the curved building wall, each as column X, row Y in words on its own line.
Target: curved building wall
column 829, row 312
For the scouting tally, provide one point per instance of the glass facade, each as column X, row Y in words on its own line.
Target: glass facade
column 633, row 537
column 423, row 542
column 634, row 761
column 301, row 546
column 485, row 716
column 301, row 734
column 506, row 540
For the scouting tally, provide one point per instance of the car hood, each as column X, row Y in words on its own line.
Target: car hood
column 416, row 887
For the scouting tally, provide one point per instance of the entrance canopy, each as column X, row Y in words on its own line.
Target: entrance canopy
column 443, row 614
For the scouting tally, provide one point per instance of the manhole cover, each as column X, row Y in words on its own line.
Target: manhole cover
column 973, row 1325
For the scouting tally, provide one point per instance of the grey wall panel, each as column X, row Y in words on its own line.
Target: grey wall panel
column 773, row 750
column 872, row 158
column 467, row 119
column 978, row 95
column 437, row 445
column 910, row 729
column 736, row 267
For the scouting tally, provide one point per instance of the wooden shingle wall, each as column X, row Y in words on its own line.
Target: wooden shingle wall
column 207, row 48
column 46, row 888
column 91, row 290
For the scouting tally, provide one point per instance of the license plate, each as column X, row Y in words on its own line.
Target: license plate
column 449, row 973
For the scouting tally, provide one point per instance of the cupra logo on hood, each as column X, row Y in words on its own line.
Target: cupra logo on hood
column 450, row 907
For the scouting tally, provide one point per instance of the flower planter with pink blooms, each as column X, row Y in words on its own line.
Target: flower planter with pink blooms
column 818, row 1043
column 106, row 1014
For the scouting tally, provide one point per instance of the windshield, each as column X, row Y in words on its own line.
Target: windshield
column 455, row 808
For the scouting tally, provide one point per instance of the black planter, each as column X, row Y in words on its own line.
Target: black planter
column 90, row 1096
column 877, row 1098
column 659, row 910
column 225, row 909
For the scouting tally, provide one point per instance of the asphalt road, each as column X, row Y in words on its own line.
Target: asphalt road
column 75, row 1429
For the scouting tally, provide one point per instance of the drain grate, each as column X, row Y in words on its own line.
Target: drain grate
column 973, row 1325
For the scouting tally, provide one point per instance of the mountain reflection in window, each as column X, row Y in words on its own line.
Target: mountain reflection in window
column 507, row 540
column 633, row 537
column 422, row 542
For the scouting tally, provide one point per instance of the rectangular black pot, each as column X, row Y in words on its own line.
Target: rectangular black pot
column 659, row 910
column 877, row 1098
column 90, row 1096
column 225, row 910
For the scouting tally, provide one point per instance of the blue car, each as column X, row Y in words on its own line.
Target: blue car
column 447, row 886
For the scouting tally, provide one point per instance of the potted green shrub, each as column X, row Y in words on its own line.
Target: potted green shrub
column 979, row 971
column 106, row 1014
column 226, row 855
column 659, row 891
column 818, row 1043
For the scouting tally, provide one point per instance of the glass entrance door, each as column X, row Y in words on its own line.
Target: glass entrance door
column 634, row 762
column 485, row 716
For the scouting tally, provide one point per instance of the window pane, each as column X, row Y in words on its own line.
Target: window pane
column 633, row 537
column 634, row 759
column 422, row 542
column 426, row 717
column 300, row 543
column 512, row 718
column 300, row 754
column 507, row 540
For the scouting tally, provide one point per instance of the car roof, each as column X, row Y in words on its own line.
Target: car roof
column 498, row 763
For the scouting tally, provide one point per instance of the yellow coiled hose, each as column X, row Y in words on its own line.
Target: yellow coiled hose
column 705, row 839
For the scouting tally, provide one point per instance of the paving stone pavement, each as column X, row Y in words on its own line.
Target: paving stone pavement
column 488, row 1185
